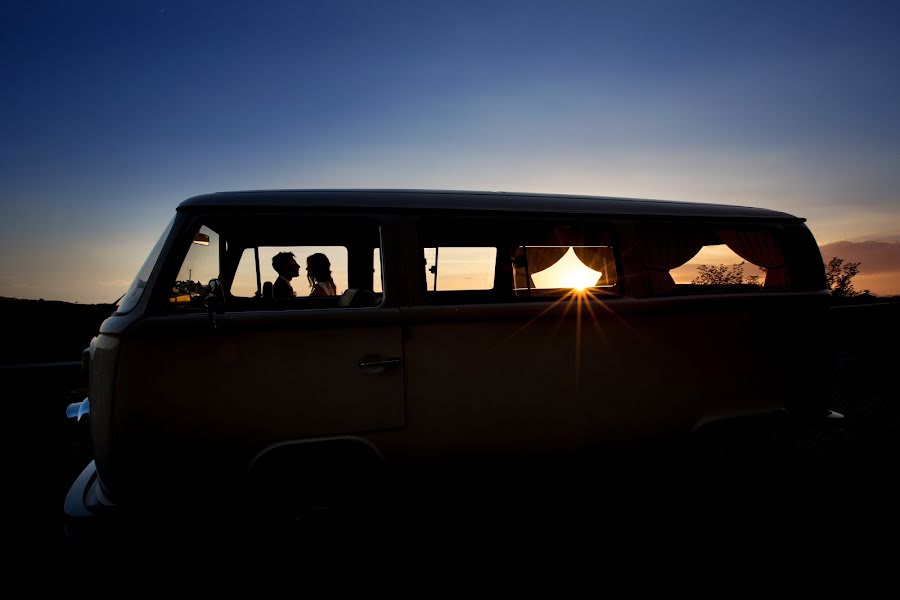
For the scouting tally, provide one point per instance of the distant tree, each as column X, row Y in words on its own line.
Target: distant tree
column 723, row 275
column 839, row 277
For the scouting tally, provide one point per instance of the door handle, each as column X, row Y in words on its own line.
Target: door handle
column 383, row 363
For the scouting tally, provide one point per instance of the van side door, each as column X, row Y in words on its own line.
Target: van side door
column 212, row 384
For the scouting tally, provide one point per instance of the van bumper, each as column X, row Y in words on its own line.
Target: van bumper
column 88, row 510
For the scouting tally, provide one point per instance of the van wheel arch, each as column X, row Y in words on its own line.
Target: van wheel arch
column 288, row 479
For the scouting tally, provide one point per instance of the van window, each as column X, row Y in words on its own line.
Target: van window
column 265, row 263
column 483, row 260
column 564, row 267
column 711, row 259
column 202, row 261
column 718, row 265
column 377, row 275
column 245, row 278
column 460, row 268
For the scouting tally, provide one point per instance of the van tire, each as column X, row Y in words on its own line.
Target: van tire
column 313, row 486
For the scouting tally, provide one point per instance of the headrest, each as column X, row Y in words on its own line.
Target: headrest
column 355, row 298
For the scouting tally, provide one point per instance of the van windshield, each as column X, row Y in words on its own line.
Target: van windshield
column 136, row 289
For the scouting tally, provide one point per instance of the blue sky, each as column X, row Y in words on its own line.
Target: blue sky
column 114, row 112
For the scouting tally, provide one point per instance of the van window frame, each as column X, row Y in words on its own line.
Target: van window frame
column 801, row 255
column 136, row 292
column 415, row 245
column 180, row 240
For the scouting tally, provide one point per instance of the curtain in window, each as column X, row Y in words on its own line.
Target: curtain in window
column 663, row 249
column 539, row 258
column 760, row 248
column 595, row 258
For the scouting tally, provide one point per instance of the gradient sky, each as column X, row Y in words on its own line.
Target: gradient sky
column 114, row 112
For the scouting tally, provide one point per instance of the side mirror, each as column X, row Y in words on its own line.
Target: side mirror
column 215, row 300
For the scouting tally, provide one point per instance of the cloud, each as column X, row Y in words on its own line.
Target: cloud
column 886, row 237
column 874, row 257
column 879, row 263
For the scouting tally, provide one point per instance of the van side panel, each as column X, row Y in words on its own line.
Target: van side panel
column 203, row 401
column 503, row 380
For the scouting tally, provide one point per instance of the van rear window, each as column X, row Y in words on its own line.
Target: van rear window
column 718, row 265
column 699, row 259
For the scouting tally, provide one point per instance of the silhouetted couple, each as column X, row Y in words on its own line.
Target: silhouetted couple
column 318, row 274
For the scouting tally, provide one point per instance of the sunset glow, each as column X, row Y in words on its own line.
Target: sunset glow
column 568, row 272
column 440, row 96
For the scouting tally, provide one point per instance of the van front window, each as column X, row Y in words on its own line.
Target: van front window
column 280, row 262
column 245, row 279
column 200, row 266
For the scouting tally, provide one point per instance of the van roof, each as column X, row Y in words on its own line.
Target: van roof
column 443, row 201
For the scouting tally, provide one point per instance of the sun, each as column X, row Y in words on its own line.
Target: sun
column 567, row 272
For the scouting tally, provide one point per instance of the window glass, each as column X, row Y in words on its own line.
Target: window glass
column 377, row 275
column 459, row 268
column 200, row 266
column 496, row 259
column 704, row 259
column 567, row 267
column 131, row 297
column 718, row 265
column 282, row 262
column 245, row 278
column 202, row 261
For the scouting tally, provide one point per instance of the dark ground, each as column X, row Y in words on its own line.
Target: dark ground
column 42, row 331
column 840, row 480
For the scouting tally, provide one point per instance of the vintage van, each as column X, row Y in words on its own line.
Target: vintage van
column 467, row 329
